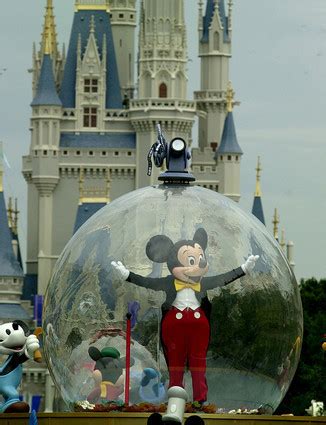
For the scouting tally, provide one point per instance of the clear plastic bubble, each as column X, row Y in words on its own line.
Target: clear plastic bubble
column 254, row 324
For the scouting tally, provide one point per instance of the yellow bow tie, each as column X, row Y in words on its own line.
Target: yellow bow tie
column 182, row 285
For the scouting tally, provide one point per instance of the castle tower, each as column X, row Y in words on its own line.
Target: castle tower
column 45, row 123
column 123, row 23
column 257, row 207
column 214, row 30
column 78, row 123
column 288, row 248
column 228, row 155
column 162, row 80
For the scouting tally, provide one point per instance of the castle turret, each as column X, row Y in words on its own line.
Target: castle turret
column 46, row 115
column 228, row 155
column 123, row 22
column 162, row 80
column 215, row 53
column 78, row 123
column 287, row 248
column 290, row 254
column 11, row 273
column 257, row 207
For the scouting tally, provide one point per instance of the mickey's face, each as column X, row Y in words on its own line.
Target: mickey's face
column 12, row 338
column 185, row 259
column 193, row 264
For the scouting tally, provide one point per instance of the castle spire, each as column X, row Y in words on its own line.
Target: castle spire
column 10, row 213
column 200, row 15
column 229, row 142
column 230, row 7
column 276, row 221
column 229, row 97
column 258, row 171
column 49, row 35
column 257, row 207
column 15, row 219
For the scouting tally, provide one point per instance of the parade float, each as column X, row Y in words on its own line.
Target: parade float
column 171, row 285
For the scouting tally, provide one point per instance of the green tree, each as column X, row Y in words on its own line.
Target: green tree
column 309, row 382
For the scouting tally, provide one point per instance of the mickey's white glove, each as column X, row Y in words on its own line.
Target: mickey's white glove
column 249, row 265
column 120, row 269
column 32, row 344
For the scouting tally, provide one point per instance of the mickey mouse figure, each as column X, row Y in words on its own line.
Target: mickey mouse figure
column 185, row 327
column 20, row 346
column 108, row 373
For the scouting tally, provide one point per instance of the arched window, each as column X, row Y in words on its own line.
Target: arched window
column 216, row 41
column 163, row 90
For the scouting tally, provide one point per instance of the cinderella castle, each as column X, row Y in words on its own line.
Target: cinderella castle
column 93, row 121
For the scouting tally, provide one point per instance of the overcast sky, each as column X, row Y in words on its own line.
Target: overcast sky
column 278, row 71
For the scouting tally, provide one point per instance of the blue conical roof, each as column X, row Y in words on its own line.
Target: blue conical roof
column 85, row 211
column 46, row 93
column 229, row 142
column 207, row 19
column 257, row 209
column 9, row 266
column 81, row 27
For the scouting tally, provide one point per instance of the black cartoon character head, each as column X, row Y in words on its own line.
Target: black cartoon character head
column 185, row 259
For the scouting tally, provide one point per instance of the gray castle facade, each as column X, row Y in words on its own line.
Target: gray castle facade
column 91, row 130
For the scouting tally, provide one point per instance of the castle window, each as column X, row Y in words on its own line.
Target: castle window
column 163, row 90
column 90, row 117
column 77, row 153
column 116, row 153
column 216, row 41
column 90, row 85
column 236, row 158
column 45, row 152
column 104, row 153
column 121, row 15
column 221, row 157
column 65, row 153
column 90, row 153
column 131, row 16
column 129, row 153
column 229, row 157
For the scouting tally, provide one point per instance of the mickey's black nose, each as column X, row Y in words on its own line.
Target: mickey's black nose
column 202, row 263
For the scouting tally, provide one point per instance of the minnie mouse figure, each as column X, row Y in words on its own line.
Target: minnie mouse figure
column 185, row 327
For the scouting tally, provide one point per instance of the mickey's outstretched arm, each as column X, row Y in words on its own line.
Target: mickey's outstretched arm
column 228, row 277
column 155, row 283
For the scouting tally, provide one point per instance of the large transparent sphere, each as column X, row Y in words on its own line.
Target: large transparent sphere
column 253, row 325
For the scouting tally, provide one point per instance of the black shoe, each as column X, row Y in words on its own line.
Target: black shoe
column 154, row 419
column 194, row 420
